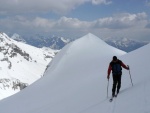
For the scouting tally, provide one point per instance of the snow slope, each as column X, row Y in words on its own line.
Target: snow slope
column 68, row 78
column 75, row 82
column 20, row 64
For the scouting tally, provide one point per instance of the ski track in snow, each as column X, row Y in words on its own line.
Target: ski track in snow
column 94, row 105
column 144, row 102
column 113, row 105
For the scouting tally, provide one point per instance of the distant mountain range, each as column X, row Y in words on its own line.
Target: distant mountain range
column 125, row 44
column 56, row 42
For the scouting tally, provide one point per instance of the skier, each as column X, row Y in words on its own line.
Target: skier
column 116, row 67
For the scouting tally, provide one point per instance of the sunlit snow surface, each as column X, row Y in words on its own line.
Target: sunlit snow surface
column 75, row 82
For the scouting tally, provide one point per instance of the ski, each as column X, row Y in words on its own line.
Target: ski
column 111, row 99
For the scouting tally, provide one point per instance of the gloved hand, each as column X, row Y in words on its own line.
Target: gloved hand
column 128, row 67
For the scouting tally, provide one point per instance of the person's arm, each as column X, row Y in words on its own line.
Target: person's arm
column 124, row 66
column 109, row 71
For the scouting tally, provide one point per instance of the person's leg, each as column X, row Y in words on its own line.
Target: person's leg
column 119, row 83
column 114, row 85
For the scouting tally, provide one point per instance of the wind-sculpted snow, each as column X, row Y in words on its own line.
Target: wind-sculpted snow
column 76, row 82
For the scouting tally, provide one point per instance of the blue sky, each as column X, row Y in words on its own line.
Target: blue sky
column 75, row 18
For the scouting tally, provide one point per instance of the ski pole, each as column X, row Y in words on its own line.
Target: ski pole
column 107, row 87
column 130, row 75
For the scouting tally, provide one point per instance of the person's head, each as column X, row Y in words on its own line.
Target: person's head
column 114, row 58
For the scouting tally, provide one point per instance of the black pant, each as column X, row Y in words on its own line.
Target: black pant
column 116, row 83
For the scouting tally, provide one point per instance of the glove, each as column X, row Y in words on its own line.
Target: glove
column 128, row 67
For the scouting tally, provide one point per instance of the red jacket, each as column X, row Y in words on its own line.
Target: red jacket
column 110, row 68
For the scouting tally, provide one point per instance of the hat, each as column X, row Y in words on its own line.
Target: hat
column 114, row 58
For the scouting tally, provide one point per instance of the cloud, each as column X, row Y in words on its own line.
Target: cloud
column 43, row 6
column 121, row 21
column 96, row 2
column 23, row 16
column 125, row 24
column 69, row 23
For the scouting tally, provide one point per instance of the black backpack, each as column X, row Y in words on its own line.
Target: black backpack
column 116, row 67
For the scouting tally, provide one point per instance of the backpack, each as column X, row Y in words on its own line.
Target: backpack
column 116, row 67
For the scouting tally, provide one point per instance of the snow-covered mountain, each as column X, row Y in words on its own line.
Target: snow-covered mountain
column 20, row 65
column 75, row 82
column 54, row 42
column 70, row 82
column 125, row 44
column 18, row 38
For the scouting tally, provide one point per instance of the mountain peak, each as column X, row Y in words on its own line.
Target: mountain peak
column 91, row 39
column 90, row 35
column 84, row 50
column 4, row 37
column 18, row 38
